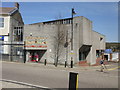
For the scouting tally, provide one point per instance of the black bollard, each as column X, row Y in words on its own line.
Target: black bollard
column 65, row 64
column 45, row 62
column 24, row 56
column 71, row 64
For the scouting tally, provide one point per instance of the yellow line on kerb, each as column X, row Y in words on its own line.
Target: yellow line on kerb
column 114, row 68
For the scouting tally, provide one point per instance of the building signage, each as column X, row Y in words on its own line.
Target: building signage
column 35, row 42
column 1, row 37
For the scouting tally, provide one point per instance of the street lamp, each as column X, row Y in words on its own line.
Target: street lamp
column 73, row 13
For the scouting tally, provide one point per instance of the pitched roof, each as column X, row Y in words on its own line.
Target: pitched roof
column 7, row 10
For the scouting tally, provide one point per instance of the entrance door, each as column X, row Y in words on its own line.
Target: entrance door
column 84, row 51
column 36, row 55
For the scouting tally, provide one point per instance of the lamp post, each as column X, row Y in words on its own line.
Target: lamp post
column 11, row 48
column 73, row 12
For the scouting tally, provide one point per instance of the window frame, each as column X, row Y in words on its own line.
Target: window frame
column 2, row 22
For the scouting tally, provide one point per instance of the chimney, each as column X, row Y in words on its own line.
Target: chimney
column 17, row 5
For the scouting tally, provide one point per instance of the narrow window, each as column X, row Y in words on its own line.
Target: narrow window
column 101, row 38
column 18, row 34
column 1, row 22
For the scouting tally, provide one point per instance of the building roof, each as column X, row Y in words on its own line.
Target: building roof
column 7, row 10
column 58, row 20
column 51, row 21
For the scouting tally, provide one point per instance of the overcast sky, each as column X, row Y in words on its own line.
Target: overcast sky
column 104, row 15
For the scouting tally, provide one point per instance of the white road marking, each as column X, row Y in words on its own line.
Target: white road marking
column 23, row 83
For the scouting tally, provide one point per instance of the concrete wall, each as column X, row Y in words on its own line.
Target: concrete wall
column 77, row 38
column 97, row 44
column 48, row 31
column 82, row 35
column 87, row 29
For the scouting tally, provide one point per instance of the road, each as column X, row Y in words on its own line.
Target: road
column 56, row 77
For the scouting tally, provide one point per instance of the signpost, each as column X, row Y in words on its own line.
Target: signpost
column 72, row 58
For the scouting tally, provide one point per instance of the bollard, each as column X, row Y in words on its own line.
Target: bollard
column 73, row 81
column 65, row 64
column 45, row 62
column 71, row 64
column 24, row 56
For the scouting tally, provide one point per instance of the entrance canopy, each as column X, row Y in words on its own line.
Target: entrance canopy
column 85, row 48
column 108, row 51
column 84, row 51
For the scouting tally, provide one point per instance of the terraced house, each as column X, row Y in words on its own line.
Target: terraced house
column 11, row 32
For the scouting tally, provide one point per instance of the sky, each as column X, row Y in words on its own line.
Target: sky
column 104, row 15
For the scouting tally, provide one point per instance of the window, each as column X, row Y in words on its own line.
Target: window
column 18, row 33
column 101, row 38
column 1, row 22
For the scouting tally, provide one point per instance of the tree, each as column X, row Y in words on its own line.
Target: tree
column 59, row 41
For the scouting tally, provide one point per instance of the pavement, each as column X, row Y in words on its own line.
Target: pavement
column 76, row 68
column 15, row 85
column 11, row 84
column 6, row 84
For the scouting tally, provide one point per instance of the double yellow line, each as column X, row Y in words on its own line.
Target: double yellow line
column 113, row 68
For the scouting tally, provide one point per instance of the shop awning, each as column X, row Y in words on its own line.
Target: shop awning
column 108, row 51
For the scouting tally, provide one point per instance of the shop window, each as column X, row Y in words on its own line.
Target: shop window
column 1, row 22
column 99, row 53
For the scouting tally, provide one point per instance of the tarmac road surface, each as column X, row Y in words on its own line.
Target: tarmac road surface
column 58, row 77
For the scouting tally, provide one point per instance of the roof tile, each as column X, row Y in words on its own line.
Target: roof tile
column 6, row 10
